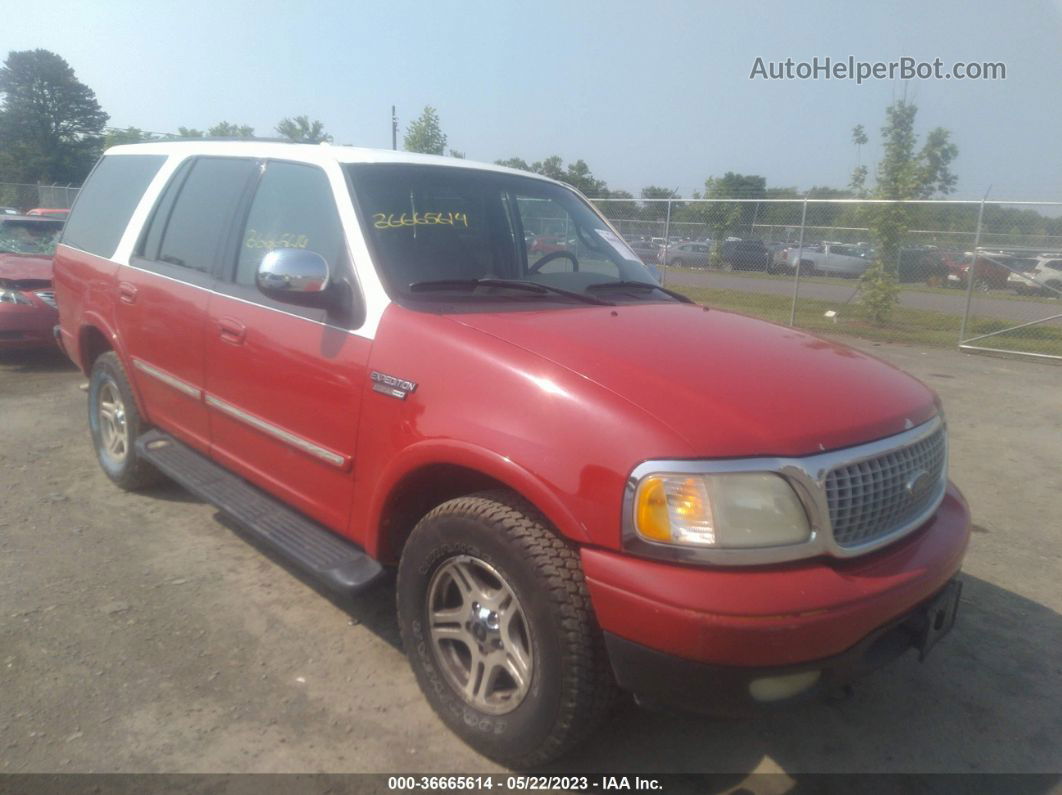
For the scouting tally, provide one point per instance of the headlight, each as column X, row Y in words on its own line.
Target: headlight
column 13, row 297
column 740, row 510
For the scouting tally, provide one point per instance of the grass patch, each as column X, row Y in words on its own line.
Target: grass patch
column 913, row 287
column 911, row 326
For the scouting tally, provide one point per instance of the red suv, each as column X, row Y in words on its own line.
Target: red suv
column 584, row 480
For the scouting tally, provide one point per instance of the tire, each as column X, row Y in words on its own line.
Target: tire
column 115, row 425
column 504, row 553
column 677, row 263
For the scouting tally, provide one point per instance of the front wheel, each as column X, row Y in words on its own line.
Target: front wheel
column 115, row 425
column 497, row 623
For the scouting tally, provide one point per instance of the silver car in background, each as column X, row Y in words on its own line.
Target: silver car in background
column 831, row 259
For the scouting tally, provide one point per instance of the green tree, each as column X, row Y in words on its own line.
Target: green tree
column 657, row 210
column 224, row 129
column 552, row 167
column 904, row 172
column 51, row 125
column 514, row 162
column 301, row 130
column 726, row 218
column 576, row 174
column 424, row 134
column 189, row 132
column 620, row 206
column 858, row 182
column 130, row 135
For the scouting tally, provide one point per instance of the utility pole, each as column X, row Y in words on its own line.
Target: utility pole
column 394, row 129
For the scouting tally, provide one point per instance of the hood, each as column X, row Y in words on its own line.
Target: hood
column 25, row 267
column 729, row 384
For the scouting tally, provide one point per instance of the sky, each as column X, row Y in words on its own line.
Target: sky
column 647, row 93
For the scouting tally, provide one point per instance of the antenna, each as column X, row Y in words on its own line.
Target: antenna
column 394, row 129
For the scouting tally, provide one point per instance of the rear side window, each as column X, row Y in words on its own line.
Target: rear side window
column 107, row 201
column 195, row 230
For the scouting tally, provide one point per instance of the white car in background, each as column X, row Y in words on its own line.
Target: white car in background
column 1045, row 278
column 831, row 259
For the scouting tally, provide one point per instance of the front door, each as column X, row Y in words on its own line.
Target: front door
column 283, row 382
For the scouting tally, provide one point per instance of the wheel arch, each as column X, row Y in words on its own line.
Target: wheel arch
column 91, row 344
column 94, row 338
column 429, row 474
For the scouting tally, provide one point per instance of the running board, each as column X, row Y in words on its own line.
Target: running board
column 334, row 562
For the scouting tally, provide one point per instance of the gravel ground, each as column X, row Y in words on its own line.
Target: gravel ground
column 139, row 633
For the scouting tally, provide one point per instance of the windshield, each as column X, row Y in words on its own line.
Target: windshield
column 26, row 236
column 464, row 233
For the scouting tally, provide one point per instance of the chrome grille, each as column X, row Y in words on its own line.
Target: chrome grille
column 872, row 499
column 48, row 296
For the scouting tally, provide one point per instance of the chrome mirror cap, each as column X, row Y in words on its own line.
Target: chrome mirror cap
column 289, row 272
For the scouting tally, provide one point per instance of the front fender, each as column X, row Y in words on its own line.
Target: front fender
column 479, row 459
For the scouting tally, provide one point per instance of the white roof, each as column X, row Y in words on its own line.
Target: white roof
column 308, row 153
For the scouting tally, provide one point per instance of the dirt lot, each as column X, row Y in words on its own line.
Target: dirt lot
column 140, row 633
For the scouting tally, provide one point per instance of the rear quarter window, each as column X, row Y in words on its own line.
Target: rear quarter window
column 107, row 201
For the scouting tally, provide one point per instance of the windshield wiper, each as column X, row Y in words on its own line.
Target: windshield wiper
column 626, row 283
column 533, row 287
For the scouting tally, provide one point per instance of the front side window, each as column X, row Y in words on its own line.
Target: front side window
column 292, row 208
column 445, row 230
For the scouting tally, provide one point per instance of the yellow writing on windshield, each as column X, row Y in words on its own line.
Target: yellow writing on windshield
column 256, row 239
column 389, row 221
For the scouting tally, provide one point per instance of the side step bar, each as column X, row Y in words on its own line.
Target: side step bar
column 334, row 562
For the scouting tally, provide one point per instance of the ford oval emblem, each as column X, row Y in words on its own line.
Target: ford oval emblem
column 918, row 484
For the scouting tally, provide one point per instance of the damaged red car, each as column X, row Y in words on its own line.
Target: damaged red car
column 27, row 303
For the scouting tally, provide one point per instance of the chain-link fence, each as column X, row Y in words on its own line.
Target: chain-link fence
column 984, row 274
column 24, row 196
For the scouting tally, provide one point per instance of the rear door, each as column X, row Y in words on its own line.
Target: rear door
column 164, row 291
column 284, row 382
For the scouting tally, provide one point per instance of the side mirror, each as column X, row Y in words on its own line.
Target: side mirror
column 294, row 276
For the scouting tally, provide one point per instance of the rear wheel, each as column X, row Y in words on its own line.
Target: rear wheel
column 115, row 425
column 498, row 626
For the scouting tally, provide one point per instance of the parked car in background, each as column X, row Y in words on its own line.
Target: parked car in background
column 9, row 211
column 50, row 212
column 545, row 244
column 27, row 302
column 778, row 257
column 745, row 255
column 831, row 259
column 992, row 269
column 647, row 250
column 684, row 255
column 1044, row 278
column 923, row 264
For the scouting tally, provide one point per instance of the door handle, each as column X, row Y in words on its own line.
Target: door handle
column 126, row 292
column 231, row 330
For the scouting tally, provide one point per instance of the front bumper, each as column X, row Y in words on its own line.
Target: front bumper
column 24, row 326
column 663, row 680
column 772, row 617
